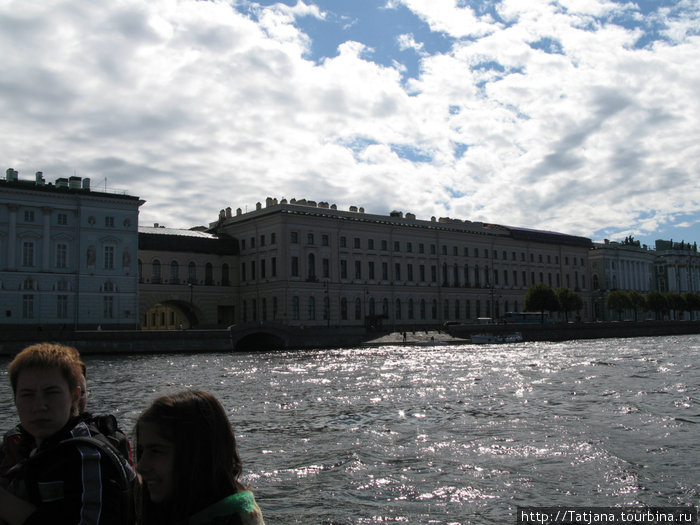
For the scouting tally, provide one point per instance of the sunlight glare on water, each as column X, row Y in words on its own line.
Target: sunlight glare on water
column 444, row 435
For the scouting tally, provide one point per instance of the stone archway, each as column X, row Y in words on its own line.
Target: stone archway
column 169, row 315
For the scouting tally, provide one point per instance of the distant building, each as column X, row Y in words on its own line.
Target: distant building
column 677, row 267
column 67, row 254
column 304, row 263
column 626, row 265
column 186, row 279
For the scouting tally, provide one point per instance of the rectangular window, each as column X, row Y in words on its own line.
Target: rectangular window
column 421, row 273
column 109, row 222
column 27, row 307
column 343, row 269
column 273, row 266
column 409, row 271
column 295, row 267
column 243, row 272
column 356, row 242
column 61, row 255
column 109, row 258
column 28, row 216
column 262, row 240
column 27, row 253
column 62, row 306
column 397, row 271
column 326, row 267
column 324, row 240
column 358, row 269
column 370, row 268
column 370, row 244
column 263, row 269
column 108, row 307
column 343, row 242
column 309, row 238
column 433, row 249
column 385, row 245
column 409, row 247
column 421, row 248
column 385, row 271
column 62, row 219
column 397, row 246
column 273, row 238
column 293, row 237
column 252, row 242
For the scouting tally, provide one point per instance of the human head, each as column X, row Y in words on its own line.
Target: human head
column 205, row 465
column 46, row 356
column 45, row 382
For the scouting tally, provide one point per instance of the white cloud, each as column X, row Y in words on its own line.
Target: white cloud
column 195, row 107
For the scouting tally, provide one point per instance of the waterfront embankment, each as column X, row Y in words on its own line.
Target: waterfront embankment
column 264, row 337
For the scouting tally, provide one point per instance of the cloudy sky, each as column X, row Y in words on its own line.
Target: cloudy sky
column 579, row 116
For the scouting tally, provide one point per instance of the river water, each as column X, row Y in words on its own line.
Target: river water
column 439, row 435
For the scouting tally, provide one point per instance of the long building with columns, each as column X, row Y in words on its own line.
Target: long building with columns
column 304, row 263
column 67, row 254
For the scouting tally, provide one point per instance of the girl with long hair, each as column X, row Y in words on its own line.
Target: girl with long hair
column 189, row 465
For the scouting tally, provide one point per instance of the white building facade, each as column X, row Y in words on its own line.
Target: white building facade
column 304, row 263
column 67, row 254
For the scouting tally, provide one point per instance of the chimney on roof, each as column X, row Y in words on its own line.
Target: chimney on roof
column 239, row 212
column 11, row 175
column 74, row 182
column 269, row 202
column 39, row 178
column 353, row 209
column 258, row 206
column 228, row 212
column 86, row 183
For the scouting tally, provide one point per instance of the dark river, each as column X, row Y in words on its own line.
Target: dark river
column 439, row 435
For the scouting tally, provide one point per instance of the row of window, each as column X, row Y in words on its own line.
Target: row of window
column 432, row 249
column 407, row 309
column 63, row 302
column 454, row 275
column 174, row 273
column 62, row 256
column 30, row 216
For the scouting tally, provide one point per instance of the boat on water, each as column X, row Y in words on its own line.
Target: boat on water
column 484, row 339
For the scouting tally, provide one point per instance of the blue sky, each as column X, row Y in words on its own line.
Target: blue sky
column 578, row 116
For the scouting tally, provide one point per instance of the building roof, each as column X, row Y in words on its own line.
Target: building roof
column 180, row 240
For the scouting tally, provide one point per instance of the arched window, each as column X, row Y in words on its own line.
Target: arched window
column 295, row 308
column 372, row 310
column 174, row 273
column 422, row 309
column 358, row 309
column 155, row 271
column 434, row 309
column 209, row 274
column 344, row 309
column 385, row 307
column 225, row 275
column 410, row 308
column 312, row 308
column 192, row 273
column 398, row 308
column 596, row 284
column 326, row 308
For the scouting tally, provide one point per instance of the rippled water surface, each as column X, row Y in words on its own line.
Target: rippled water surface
column 444, row 435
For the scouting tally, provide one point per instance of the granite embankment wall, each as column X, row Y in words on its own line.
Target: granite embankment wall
column 134, row 341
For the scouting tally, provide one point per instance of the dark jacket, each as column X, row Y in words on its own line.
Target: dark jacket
column 75, row 477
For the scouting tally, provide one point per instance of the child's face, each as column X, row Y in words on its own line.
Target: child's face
column 44, row 402
column 156, row 462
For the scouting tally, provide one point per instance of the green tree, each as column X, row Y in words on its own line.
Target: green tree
column 618, row 301
column 541, row 298
column 656, row 303
column 569, row 301
column 675, row 303
column 692, row 302
column 638, row 302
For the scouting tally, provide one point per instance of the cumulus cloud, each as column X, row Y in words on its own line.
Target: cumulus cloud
column 576, row 116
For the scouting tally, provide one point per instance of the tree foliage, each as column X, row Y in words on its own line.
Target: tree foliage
column 638, row 302
column 541, row 298
column 569, row 301
column 618, row 301
column 656, row 303
column 675, row 303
